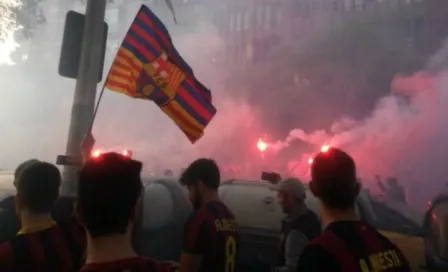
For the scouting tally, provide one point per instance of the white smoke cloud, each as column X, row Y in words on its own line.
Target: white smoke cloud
column 36, row 106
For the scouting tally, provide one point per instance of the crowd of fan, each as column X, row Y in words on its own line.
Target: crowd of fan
column 41, row 231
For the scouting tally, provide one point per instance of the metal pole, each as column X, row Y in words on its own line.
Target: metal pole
column 86, row 84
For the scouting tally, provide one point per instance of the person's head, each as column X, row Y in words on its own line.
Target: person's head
column 168, row 173
column 392, row 181
column 108, row 191
column 201, row 178
column 20, row 168
column 38, row 188
column 272, row 177
column 290, row 194
column 334, row 181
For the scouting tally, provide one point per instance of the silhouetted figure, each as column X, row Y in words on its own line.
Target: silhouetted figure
column 396, row 190
column 168, row 173
column 9, row 221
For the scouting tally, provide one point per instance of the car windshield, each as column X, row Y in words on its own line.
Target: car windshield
column 4, row 195
column 390, row 220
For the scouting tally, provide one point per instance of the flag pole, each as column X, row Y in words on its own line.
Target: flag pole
column 97, row 105
column 95, row 111
column 85, row 90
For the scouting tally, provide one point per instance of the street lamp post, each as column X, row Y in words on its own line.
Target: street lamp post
column 86, row 85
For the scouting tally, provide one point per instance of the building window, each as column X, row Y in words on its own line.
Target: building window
column 260, row 16
column 216, row 20
column 278, row 15
column 246, row 19
column 359, row 4
column 219, row 21
column 267, row 18
column 241, row 53
column 348, row 5
column 337, row 6
column 236, row 53
column 228, row 52
column 249, row 52
column 297, row 9
column 238, row 21
column 273, row 15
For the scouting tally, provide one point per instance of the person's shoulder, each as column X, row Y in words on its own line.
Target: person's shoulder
column 310, row 217
column 196, row 217
column 320, row 241
column 218, row 210
column 199, row 215
column 6, row 248
column 154, row 265
column 141, row 264
column 315, row 257
column 310, row 213
column 315, row 249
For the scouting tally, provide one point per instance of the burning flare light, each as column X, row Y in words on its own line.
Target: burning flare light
column 262, row 145
column 8, row 26
column 310, row 160
column 98, row 152
column 325, row 148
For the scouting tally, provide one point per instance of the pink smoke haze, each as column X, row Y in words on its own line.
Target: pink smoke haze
column 405, row 136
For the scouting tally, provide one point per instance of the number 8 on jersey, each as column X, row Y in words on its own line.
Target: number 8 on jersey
column 230, row 254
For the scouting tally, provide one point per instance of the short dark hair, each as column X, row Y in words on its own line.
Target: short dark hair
column 22, row 166
column 108, row 189
column 333, row 177
column 205, row 170
column 38, row 187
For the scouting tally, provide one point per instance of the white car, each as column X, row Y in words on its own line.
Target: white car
column 436, row 233
column 166, row 207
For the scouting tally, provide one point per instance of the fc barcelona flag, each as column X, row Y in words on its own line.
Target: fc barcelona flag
column 148, row 66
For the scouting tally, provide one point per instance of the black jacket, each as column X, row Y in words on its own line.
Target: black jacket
column 307, row 223
column 9, row 222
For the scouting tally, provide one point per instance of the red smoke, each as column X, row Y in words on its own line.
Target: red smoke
column 405, row 138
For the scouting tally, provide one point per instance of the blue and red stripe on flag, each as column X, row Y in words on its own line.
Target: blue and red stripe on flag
column 147, row 39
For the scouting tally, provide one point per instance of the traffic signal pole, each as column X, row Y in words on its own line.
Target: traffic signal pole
column 86, row 85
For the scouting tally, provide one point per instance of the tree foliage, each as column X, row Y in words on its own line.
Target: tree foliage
column 29, row 16
column 8, row 23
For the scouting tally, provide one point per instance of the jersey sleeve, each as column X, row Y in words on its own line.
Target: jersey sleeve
column 315, row 258
column 6, row 256
column 195, row 234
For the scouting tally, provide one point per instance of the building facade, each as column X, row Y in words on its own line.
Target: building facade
column 254, row 29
